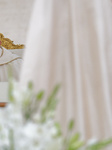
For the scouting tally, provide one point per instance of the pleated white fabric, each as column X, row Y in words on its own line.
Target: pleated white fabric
column 70, row 42
column 8, row 59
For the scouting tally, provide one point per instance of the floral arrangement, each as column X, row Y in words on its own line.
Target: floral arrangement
column 26, row 125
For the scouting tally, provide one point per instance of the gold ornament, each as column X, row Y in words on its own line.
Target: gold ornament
column 8, row 44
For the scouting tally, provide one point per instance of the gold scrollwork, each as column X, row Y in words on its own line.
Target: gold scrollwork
column 8, row 44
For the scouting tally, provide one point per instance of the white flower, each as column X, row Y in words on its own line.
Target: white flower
column 92, row 141
column 28, row 134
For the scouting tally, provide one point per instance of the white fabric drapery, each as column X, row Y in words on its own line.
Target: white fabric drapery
column 70, row 42
column 8, row 59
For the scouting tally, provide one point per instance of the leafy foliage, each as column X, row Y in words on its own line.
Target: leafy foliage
column 26, row 105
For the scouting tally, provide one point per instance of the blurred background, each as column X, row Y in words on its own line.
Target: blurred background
column 69, row 42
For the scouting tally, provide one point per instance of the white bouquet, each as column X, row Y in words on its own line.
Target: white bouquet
column 25, row 125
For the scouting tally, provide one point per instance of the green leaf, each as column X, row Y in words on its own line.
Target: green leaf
column 76, row 145
column 75, row 138
column 54, row 93
column 99, row 145
column 71, row 125
column 30, row 85
column 51, row 103
column 10, row 91
column 52, row 98
column 57, row 125
column 40, row 95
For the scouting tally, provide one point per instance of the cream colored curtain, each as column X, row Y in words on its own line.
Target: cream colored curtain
column 70, row 42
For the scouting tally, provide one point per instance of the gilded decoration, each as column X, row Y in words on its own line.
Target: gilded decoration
column 8, row 44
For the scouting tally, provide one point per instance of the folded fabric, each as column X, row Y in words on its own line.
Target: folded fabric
column 7, row 59
column 18, row 52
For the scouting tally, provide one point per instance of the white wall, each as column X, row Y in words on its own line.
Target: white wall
column 14, row 19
